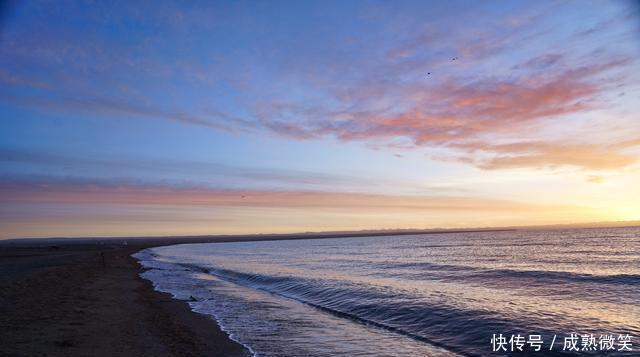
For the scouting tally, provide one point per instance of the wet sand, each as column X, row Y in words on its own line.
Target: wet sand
column 63, row 301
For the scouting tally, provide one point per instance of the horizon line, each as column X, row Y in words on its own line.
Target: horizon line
column 332, row 234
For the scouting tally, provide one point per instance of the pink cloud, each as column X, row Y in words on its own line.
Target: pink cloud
column 464, row 116
column 119, row 193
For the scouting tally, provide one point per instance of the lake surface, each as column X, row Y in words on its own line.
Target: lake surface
column 418, row 295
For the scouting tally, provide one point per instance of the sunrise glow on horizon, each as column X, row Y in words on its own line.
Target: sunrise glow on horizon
column 166, row 118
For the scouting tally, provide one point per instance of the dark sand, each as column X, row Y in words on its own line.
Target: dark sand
column 62, row 301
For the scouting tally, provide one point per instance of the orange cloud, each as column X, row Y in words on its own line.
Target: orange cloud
column 546, row 154
column 87, row 192
column 595, row 179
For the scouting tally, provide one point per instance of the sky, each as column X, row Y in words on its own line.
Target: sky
column 134, row 118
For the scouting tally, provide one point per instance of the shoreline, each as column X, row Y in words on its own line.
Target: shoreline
column 64, row 301
column 156, row 241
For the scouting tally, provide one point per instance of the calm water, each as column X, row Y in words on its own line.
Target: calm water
column 420, row 295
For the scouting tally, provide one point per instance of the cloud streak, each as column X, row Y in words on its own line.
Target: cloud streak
column 207, row 171
column 117, row 108
column 552, row 155
column 100, row 192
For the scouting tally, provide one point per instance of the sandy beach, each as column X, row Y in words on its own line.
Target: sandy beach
column 63, row 301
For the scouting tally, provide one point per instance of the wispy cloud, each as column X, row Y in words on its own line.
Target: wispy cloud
column 49, row 190
column 551, row 155
column 595, row 179
column 206, row 172
column 119, row 108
